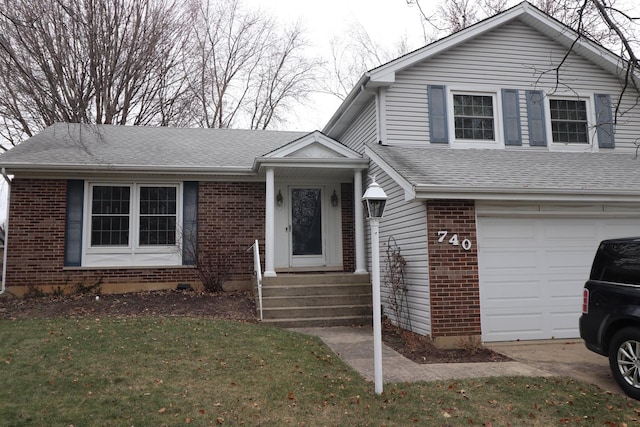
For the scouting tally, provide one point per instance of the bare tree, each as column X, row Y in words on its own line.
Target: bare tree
column 88, row 61
column 244, row 70
column 145, row 62
column 354, row 54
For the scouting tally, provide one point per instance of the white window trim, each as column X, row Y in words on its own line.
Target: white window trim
column 592, row 134
column 132, row 255
column 497, row 117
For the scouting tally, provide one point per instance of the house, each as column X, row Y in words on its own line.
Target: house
column 502, row 175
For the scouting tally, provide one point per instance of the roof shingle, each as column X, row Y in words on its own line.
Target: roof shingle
column 83, row 145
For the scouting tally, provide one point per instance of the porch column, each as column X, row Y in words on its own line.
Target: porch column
column 359, row 222
column 269, row 226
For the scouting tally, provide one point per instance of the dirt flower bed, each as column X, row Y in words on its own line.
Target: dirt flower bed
column 420, row 349
column 225, row 305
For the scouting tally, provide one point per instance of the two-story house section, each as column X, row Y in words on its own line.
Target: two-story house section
column 508, row 151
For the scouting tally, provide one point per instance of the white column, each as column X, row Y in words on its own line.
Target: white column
column 359, row 222
column 269, row 226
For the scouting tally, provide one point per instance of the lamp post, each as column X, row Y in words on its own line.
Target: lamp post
column 375, row 199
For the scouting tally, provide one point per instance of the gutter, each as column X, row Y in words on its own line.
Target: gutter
column 3, row 286
column 346, row 105
column 426, row 192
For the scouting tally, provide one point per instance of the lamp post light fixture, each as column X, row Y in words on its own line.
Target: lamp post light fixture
column 375, row 200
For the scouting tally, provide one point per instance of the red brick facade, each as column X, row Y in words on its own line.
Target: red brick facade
column 230, row 215
column 348, row 228
column 453, row 271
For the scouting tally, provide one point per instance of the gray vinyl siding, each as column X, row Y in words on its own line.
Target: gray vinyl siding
column 406, row 222
column 363, row 130
column 510, row 57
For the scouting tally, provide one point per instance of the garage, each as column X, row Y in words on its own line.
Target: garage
column 533, row 263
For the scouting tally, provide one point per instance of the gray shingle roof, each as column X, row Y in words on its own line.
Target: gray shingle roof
column 79, row 146
column 513, row 170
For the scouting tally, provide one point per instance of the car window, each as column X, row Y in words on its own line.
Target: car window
column 617, row 262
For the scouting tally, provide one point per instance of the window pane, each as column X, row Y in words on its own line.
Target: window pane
column 110, row 216
column 111, row 200
column 569, row 121
column 473, row 117
column 158, row 209
column 157, row 230
column 109, row 231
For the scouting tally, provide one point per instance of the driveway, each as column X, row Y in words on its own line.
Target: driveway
column 568, row 357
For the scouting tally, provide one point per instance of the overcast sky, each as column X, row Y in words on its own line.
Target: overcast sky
column 384, row 20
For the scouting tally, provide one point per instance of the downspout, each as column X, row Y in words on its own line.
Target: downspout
column 3, row 286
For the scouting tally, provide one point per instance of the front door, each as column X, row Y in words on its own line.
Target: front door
column 307, row 228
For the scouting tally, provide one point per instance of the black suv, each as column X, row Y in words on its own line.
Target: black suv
column 610, row 321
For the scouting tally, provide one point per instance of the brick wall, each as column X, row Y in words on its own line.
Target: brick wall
column 348, row 228
column 230, row 218
column 453, row 271
column 230, row 214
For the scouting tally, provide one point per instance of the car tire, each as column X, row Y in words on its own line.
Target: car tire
column 624, row 360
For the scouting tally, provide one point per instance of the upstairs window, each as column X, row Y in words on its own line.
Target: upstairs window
column 569, row 121
column 473, row 117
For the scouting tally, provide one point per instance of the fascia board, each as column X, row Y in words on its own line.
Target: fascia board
column 426, row 192
column 120, row 169
column 328, row 163
column 409, row 190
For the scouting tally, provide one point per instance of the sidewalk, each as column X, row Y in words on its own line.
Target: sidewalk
column 355, row 346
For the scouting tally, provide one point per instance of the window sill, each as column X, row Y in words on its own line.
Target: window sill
column 125, row 267
column 477, row 144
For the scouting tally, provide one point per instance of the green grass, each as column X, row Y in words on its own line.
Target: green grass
column 177, row 371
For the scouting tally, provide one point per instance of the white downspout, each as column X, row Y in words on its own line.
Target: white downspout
column 3, row 287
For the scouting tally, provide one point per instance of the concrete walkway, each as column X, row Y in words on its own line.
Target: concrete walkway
column 534, row 358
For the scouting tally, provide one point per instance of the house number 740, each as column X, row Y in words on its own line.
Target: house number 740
column 453, row 240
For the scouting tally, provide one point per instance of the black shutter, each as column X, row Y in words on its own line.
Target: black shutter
column 438, row 113
column 190, row 223
column 535, row 113
column 511, row 117
column 604, row 121
column 73, row 223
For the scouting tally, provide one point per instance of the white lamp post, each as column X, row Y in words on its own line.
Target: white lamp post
column 375, row 199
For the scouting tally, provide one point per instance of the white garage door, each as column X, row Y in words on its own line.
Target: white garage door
column 532, row 270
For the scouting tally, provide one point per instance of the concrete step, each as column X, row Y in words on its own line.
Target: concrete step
column 318, row 311
column 311, row 279
column 321, row 321
column 284, row 301
column 315, row 289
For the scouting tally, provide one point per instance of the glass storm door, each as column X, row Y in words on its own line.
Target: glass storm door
column 307, row 241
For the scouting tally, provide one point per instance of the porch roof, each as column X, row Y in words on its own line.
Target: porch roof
column 83, row 147
column 477, row 174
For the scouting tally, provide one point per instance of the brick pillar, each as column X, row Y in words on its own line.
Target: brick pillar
column 453, row 271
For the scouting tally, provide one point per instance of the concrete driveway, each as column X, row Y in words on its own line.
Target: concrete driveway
column 567, row 357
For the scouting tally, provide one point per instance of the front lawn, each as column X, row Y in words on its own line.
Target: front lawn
column 147, row 371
